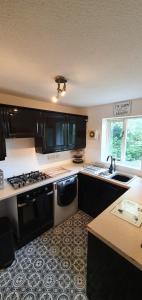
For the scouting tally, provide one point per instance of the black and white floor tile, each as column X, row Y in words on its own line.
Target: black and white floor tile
column 52, row 267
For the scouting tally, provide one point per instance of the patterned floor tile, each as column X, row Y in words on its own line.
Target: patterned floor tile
column 52, row 267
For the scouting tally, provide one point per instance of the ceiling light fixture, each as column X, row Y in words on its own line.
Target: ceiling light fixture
column 61, row 87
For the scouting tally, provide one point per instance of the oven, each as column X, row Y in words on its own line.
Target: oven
column 35, row 213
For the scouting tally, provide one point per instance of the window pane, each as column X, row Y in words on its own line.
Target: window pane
column 116, row 135
column 134, row 141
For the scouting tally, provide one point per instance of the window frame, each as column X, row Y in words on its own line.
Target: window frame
column 106, row 132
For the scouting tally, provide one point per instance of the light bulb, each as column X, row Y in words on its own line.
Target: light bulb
column 54, row 99
column 63, row 93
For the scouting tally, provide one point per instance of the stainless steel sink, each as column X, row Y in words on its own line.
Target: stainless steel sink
column 116, row 176
column 121, row 177
column 103, row 172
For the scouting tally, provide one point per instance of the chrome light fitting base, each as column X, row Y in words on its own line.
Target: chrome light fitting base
column 61, row 88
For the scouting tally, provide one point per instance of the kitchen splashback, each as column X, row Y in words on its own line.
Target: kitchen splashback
column 22, row 158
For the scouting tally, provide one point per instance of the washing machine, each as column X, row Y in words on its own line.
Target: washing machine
column 65, row 198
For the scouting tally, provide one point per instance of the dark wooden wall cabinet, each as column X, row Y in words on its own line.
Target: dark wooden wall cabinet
column 95, row 195
column 2, row 137
column 19, row 122
column 52, row 131
column 59, row 132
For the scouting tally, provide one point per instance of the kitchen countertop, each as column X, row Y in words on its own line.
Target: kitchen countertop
column 121, row 236
column 8, row 191
column 126, row 185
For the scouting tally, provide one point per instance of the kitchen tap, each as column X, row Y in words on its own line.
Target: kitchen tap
column 112, row 164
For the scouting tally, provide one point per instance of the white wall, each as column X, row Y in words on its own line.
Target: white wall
column 95, row 116
column 39, row 104
column 21, row 155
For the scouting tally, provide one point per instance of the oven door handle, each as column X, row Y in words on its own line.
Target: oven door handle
column 33, row 200
column 49, row 193
column 20, row 205
column 26, row 203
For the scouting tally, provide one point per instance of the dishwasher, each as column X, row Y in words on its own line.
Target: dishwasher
column 65, row 198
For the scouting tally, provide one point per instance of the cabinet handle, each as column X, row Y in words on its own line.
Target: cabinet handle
column 33, row 200
column 50, row 193
column 37, row 127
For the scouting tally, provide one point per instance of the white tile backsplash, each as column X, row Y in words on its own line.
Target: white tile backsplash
column 21, row 157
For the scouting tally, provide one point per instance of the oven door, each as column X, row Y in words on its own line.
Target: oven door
column 35, row 211
column 27, row 213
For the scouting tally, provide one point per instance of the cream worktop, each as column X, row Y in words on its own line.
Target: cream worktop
column 8, row 191
column 120, row 235
column 123, row 237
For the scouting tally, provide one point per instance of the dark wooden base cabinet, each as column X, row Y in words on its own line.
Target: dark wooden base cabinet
column 95, row 195
column 110, row 276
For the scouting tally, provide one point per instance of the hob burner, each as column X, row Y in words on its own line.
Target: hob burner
column 27, row 179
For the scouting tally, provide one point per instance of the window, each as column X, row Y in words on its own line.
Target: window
column 122, row 138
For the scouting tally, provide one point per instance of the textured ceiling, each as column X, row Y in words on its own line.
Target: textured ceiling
column 96, row 44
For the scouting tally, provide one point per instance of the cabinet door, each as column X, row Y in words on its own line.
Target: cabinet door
column 72, row 132
column 109, row 193
column 95, row 195
column 109, row 275
column 51, row 133
column 20, row 122
column 76, row 132
column 80, row 133
column 88, row 195
column 2, row 137
column 60, row 132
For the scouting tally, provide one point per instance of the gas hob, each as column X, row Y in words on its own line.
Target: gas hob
column 27, row 179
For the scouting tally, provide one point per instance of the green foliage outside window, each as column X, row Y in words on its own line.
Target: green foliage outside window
column 134, row 139
column 133, row 136
column 116, row 132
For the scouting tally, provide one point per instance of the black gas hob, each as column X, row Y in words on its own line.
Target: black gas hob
column 27, row 179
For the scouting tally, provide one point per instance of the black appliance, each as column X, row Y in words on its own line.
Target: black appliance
column 35, row 213
column 65, row 198
column 27, row 179
column 66, row 191
column 6, row 243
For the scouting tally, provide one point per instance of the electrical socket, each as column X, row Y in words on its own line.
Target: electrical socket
column 53, row 156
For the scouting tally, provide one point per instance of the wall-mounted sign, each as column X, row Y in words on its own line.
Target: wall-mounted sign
column 122, row 108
